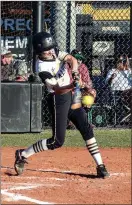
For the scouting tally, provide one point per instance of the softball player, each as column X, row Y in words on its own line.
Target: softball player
column 60, row 99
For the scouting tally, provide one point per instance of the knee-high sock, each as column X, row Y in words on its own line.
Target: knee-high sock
column 39, row 146
column 94, row 150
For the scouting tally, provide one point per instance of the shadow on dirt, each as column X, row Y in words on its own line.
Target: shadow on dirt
column 9, row 173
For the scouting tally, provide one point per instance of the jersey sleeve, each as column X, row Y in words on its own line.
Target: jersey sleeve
column 40, row 67
column 62, row 55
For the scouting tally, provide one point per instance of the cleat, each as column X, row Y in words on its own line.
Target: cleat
column 102, row 171
column 19, row 162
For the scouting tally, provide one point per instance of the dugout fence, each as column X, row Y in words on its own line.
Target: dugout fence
column 101, row 30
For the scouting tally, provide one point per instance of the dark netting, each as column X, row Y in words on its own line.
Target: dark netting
column 101, row 31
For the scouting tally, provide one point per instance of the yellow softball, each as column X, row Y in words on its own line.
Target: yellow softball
column 87, row 100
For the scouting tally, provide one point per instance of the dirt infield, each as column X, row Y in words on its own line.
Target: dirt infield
column 67, row 176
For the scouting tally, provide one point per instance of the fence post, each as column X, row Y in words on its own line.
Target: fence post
column 38, row 22
column 131, row 30
column 68, row 26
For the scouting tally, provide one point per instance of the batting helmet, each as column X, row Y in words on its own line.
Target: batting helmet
column 43, row 41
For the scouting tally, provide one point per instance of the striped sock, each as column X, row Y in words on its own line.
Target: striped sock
column 36, row 147
column 94, row 150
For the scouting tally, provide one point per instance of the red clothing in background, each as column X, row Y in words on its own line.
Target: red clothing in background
column 85, row 77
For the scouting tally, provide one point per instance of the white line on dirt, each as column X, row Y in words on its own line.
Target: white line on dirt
column 24, row 186
column 54, row 170
column 17, row 197
column 120, row 174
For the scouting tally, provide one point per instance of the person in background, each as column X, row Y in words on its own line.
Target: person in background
column 12, row 69
column 84, row 73
column 86, row 82
column 120, row 81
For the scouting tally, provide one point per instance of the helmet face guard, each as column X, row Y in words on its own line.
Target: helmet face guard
column 43, row 41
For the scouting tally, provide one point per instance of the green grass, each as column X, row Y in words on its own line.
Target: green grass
column 105, row 138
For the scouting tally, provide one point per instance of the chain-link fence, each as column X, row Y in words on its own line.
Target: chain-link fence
column 101, row 31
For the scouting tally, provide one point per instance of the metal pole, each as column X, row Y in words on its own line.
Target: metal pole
column 38, row 22
column 38, row 17
column 52, row 18
column 131, row 30
column 68, row 26
column 60, row 28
